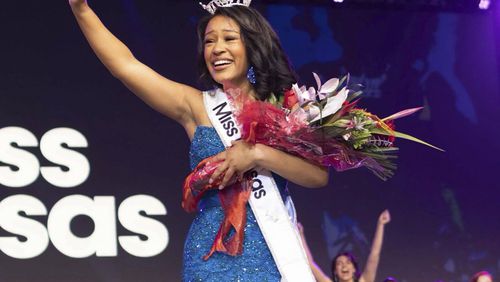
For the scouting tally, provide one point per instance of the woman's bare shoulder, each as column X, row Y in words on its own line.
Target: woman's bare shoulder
column 198, row 113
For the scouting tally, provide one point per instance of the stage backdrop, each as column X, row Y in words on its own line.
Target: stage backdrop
column 90, row 177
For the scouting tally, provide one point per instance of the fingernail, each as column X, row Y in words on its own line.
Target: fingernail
column 221, row 187
column 210, row 181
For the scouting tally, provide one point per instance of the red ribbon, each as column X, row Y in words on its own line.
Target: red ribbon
column 233, row 201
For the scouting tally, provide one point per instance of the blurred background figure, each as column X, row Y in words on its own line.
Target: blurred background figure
column 345, row 267
column 483, row 276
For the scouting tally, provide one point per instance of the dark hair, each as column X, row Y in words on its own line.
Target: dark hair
column 264, row 52
column 351, row 258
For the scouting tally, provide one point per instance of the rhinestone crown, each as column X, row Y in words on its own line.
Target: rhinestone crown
column 214, row 4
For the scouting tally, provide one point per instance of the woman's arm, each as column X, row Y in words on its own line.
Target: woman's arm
column 166, row 96
column 242, row 156
column 370, row 270
column 319, row 275
column 292, row 168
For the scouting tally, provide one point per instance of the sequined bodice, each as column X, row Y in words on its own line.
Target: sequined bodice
column 205, row 143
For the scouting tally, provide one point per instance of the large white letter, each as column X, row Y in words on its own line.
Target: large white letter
column 156, row 233
column 37, row 239
column 79, row 167
column 101, row 210
column 26, row 162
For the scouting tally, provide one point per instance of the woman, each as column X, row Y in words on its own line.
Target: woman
column 344, row 265
column 232, row 41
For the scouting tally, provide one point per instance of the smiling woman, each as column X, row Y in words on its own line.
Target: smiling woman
column 242, row 27
column 235, row 43
column 225, row 54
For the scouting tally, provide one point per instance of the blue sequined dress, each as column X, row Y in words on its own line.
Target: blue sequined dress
column 256, row 262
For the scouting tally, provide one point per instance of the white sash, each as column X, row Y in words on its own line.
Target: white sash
column 280, row 233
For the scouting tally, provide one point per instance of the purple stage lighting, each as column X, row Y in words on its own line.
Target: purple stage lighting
column 484, row 4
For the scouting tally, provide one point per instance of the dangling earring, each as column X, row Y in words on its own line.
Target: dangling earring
column 251, row 76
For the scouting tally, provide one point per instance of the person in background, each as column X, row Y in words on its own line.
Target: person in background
column 345, row 267
column 482, row 276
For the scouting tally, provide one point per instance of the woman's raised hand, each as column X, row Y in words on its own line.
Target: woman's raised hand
column 78, row 5
column 237, row 159
column 77, row 2
column 175, row 100
column 385, row 217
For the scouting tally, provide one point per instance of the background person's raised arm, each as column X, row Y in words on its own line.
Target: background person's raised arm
column 370, row 271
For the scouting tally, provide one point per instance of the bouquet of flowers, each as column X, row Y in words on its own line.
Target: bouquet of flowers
column 322, row 125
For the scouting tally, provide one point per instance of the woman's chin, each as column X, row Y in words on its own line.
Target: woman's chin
column 345, row 278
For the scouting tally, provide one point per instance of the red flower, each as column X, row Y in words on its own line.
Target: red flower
column 392, row 126
column 290, row 99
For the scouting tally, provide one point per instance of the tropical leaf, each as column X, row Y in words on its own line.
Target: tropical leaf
column 386, row 149
column 343, row 81
column 272, row 99
column 354, row 95
column 404, row 136
column 403, row 113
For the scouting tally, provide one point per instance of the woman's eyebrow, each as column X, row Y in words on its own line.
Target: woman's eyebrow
column 231, row 30
column 225, row 30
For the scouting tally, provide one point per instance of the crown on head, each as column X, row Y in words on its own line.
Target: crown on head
column 214, row 4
